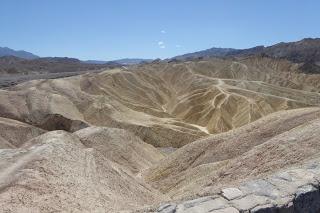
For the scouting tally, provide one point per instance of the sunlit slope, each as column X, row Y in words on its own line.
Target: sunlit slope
column 232, row 120
column 59, row 171
column 13, row 134
column 272, row 143
column 166, row 104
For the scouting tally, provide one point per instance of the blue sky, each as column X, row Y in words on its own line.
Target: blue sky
column 104, row 30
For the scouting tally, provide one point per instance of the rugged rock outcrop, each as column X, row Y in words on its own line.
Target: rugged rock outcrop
column 292, row 190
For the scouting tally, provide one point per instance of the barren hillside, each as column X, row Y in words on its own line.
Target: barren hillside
column 109, row 138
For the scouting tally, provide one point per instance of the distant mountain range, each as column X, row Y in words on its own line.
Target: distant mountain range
column 132, row 61
column 299, row 51
column 124, row 61
column 16, row 65
column 212, row 52
column 306, row 52
column 95, row 62
column 5, row 51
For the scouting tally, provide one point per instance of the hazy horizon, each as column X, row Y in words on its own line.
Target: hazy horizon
column 110, row 30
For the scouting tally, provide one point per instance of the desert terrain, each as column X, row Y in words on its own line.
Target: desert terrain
column 138, row 139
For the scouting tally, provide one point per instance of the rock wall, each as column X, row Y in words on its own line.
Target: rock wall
column 296, row 190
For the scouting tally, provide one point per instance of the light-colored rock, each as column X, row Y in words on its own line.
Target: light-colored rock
column 289, row 181
column 268, row 208
column 250, row 201
column 270, row 194
column 192, row 203
column 226, row 210
column 167, row 208
column 203, row 206
column 231, row 193
column 261, row 188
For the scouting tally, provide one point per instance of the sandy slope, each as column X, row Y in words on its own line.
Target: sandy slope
column 269, row 144
column 165, row 104
column 57, row 172
column 230, row 120
column 14, row 133
column 120, row 147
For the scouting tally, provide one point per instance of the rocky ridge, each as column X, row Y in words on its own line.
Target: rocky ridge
column 293, row 190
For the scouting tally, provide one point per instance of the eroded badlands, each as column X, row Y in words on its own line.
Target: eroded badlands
column 136, row 138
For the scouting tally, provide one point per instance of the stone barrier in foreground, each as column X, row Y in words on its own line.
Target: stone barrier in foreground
column 293, row 190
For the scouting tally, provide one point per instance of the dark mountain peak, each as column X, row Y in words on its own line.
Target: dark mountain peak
column 5, row 51
column 306, row 42
column 247, row 52
column 212, row 52
column 305, row 52
column 311, row 39
column 259, row 47
column 60, row 59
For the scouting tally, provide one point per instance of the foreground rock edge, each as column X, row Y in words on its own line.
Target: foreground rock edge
column 292, row 190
